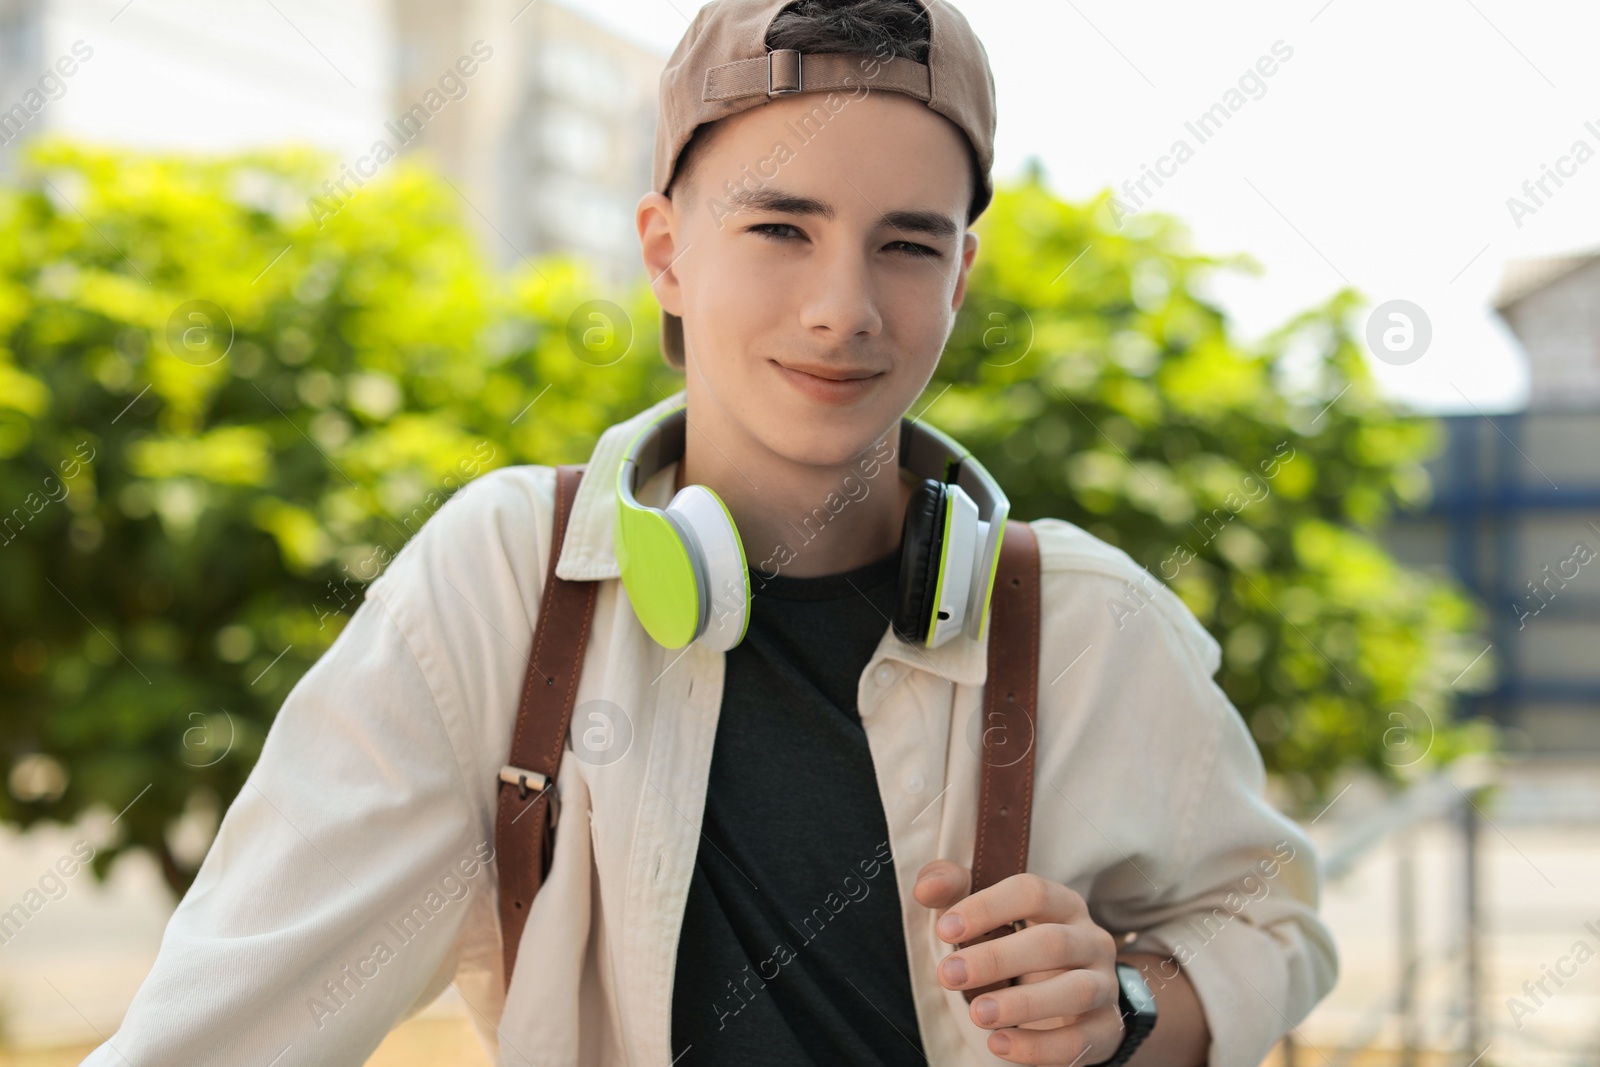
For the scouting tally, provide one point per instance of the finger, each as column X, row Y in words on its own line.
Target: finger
column 1040, row 947
column 1021, row 896
column 1092, row 1039
column 941, row 883
column 1065, row 995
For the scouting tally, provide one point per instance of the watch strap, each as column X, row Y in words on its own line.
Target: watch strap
column 1138, row 1009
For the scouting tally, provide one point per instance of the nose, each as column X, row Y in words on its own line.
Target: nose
column 840, row 298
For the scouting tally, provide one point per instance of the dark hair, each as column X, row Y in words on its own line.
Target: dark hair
column 879, row 28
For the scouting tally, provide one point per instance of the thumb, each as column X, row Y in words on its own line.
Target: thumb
column 941, row 883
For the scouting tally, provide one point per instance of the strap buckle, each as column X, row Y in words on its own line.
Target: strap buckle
column 786, row 74
column 523, row 779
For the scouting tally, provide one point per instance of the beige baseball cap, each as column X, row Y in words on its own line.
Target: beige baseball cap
column 722, row 66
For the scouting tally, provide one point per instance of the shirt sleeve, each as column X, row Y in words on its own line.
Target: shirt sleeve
column 329, row 904
column 1237, row 909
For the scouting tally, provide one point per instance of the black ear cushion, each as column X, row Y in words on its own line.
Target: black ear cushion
column 921, row 542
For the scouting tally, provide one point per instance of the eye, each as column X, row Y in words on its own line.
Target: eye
column 921, row 251
column 765, row 228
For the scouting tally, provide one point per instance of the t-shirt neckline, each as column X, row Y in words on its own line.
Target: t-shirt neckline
column 827, row 586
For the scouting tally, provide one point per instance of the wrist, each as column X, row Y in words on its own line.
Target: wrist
column 1136, row 1010
column 1117, row 1040
column 1183, row 1038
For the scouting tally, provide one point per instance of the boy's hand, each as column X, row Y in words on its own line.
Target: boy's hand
column 1065, row 1002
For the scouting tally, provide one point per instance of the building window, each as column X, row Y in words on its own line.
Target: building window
column 574, row 141
column 572, row 72
column 580, row 216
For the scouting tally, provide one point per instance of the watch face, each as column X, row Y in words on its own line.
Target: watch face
column 1136, row 990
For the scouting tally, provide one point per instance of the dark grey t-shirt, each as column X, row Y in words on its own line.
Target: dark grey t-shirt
column 792, row 949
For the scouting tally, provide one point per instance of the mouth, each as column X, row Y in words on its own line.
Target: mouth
column 829, row 373
column 834, row 385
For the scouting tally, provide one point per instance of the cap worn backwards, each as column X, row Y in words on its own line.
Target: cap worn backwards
column 722, row 66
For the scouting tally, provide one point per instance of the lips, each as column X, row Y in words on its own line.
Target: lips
column 829, row 385
column 831, row 374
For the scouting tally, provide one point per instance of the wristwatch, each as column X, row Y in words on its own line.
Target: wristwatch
column 1138, row 1009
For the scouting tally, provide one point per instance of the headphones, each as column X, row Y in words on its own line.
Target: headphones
column 684, row 566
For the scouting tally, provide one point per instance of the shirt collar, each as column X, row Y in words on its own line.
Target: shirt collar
column 589, row 553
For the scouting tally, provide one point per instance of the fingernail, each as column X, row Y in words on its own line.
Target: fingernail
column 1000, row 1044
column 950, row 925
column 955, row 970
column 987, row 1010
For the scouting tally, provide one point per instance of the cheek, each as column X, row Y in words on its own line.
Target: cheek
column 724, row 299
column 918, row 318
column 736, row 312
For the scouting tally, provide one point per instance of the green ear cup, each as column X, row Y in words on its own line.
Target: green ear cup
column 659, row 577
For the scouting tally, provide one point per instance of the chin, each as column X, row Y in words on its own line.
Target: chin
column 825, row 437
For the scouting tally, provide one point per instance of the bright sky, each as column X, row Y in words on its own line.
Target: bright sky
column 1379, row 154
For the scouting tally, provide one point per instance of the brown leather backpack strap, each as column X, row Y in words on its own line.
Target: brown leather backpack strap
column 1010, row 713
column 526, row 820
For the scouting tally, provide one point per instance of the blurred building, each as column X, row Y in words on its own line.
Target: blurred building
column 186, row 75
column 542, row 119
column 22, row 63
column 552, row 145
column 1551, row 305
column 1516, row 511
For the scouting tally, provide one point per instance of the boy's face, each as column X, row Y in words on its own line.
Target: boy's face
column 802, row 279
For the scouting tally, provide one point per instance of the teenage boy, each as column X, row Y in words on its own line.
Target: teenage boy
column 762, row 853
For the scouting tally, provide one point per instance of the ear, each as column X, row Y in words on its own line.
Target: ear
column 657, row 221
column 969, row 252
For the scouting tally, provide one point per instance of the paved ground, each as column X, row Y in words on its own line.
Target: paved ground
column 1540, row 848
column 71, row 971
column 422, row 1042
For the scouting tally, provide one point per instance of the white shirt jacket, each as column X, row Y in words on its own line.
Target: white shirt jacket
column 353, row 878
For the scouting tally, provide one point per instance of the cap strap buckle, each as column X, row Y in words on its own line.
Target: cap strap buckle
column 789, row 71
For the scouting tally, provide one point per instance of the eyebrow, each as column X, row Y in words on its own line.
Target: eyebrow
column 931, row 223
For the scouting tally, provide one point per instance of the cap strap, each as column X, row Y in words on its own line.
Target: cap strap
column 785, row 70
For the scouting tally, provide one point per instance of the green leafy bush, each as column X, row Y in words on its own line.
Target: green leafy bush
column 218, row 421
column 1099, row 386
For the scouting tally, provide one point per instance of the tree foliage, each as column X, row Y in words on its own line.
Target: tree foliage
column 1099, row 385
column 219, row 420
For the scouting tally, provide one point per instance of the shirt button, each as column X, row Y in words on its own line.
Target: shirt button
column 884, row 674
column 913, row 783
